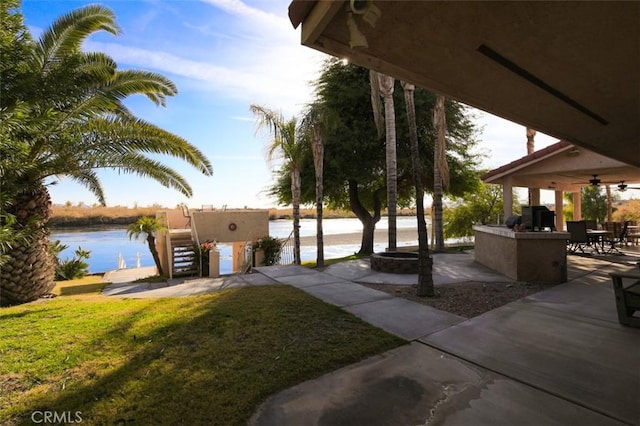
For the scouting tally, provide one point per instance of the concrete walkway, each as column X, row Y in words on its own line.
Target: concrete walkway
column 556, row 357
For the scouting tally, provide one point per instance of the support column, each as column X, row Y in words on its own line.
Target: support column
column 534, row 196
column 577, row 205
column 214, row 263
column 558, row 207
column 237, row 256
column 507, row 198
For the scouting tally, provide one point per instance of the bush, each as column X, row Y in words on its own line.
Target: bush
column 69, row 269
column 270, row 246
column 202, row 256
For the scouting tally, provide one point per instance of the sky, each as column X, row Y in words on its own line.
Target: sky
column 223, row 55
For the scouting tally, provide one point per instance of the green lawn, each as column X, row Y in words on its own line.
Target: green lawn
column 209, row 359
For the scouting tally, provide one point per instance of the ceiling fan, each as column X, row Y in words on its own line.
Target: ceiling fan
column 623, row 186
column 594, row 181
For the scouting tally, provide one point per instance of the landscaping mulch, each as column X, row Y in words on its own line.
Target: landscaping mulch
column 468, row 299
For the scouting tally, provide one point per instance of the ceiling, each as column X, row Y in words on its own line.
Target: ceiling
column 567, row 69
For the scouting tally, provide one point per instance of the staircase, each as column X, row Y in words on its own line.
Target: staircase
column 182, row 254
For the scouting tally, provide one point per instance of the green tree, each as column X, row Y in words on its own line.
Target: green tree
column 68, row 118
column 481, row 205
column 291, row 145
column 148, row 228
column 354, row 155
column 593, row 202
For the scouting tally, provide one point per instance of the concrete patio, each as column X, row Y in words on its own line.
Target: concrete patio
column 557, row 357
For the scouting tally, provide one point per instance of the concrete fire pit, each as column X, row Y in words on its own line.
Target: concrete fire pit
column 395, row 262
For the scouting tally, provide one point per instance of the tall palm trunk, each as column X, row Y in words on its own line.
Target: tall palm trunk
column 151, row 242
column 386, row 90
column 425, row 262
column 295, row 200
column 534, row 193
column 318, row 159
column 30, row 270
column 609, row 203
column 440, row 170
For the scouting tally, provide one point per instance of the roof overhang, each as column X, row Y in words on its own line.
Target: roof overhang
column 563, row 167
column 567, row 69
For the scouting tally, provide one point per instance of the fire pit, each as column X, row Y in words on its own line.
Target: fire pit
column 395, row 262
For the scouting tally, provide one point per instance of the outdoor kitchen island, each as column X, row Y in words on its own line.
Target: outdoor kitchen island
column 522, row 256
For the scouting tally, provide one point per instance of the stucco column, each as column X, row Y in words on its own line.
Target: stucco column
column 534, row 196
column 577, row 205
column 559, row 217
column 507, row 198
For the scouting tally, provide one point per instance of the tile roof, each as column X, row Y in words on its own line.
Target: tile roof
column 526, row 160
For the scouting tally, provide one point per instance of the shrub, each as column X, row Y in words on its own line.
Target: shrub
column 202, row 256
column 270, row 246
column 69, row 269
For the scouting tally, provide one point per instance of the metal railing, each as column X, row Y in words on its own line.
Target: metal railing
column 286, row 256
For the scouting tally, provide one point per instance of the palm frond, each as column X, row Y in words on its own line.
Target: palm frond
column 134, row 82
column 98, row 65
column 70, row 30
column 89, row 179
column 283, row 133
column 376, row 104
column 134, row 163
column 124, row 135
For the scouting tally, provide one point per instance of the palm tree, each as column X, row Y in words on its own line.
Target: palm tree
column 290, row 144
column 425, row 262
column 534, row 193
column 147, row 227
column 73, row 122
column 311, row 127
column 440, row 170
column 385, row 87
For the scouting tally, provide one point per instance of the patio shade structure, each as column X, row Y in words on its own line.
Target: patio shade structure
column 568, row 69
column 561, row 167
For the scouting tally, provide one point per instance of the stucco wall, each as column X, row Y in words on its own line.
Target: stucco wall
column 523, row 256
column 219, row 225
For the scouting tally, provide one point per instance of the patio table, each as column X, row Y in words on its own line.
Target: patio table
column 598, row 237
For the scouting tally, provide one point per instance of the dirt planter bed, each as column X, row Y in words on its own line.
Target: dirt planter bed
column 395, row 262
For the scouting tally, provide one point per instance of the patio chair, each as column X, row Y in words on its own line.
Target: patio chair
column 624, row 233
column 591, row 224
column 615, row 228
column 627, row 296
column 633, row 233
column 578, row 238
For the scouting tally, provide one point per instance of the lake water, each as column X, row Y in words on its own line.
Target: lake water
column 107, row 243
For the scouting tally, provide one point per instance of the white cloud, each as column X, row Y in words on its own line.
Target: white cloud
column 269, row 74
column 256, row 16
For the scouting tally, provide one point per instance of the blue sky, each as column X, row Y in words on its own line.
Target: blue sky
column 223, row 55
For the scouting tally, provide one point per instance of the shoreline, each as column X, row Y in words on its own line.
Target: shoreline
column 352, row 238
column 118, row 216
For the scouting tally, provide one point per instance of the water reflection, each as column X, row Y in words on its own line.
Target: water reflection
column 106, row 242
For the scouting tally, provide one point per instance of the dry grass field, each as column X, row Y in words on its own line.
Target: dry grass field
column 72, row 215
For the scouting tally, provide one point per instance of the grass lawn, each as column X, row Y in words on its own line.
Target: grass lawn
column 88, row 284
column 208, row 359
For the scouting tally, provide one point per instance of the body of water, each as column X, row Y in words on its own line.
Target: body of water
column 106, row 244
